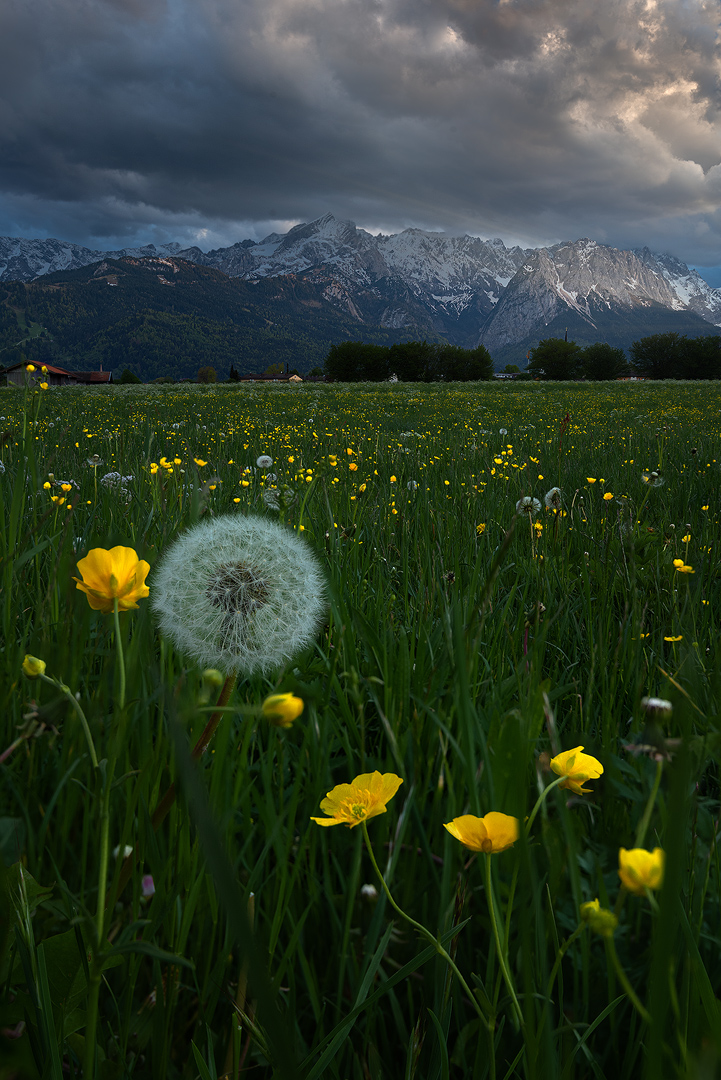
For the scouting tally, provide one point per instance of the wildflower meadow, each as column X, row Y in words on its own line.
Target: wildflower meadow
column 364, row 733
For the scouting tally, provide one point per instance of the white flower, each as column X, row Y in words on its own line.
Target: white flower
column 552, row 498
column 264, row 461
column 502, row 431
column 242, row 594
column 528, row 505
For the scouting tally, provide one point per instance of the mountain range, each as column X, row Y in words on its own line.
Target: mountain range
column 461, row 289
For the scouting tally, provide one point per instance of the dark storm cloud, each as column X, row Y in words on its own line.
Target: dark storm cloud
column 535, row 120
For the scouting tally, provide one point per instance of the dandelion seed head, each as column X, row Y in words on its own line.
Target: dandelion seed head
column 652, row 478
column 528, row 505
column 264, row 461
column 241, row 594
column 552, row 498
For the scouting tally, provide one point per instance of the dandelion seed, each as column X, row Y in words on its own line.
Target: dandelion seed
column 657, row 708
column 264, row 461
column 552, row 498
column 242, row 594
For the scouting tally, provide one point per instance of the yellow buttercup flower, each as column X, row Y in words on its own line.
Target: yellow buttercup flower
column 364, row 798
column 577, row 767
column 682, row 568
column 601, row 920
column 608, row 496
column 281, row 710
column 199, row 462
column 117, row 574
column 639, row 869
column 32, row 667
column 491, row 834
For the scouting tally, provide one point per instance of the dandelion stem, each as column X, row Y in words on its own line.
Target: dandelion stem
column 426, row 933
column 644, row 822
column 163, row 808
column 161, row 811
column 501, row 951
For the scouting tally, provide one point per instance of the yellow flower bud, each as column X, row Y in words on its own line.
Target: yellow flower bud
column 281, row 710
column 601, row 920
column 32, row 667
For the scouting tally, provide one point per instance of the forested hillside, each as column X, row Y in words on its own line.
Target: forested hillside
column 168, row 317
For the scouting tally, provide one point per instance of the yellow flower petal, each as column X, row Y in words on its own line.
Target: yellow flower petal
column 112, row 575
column 491, row 834
column 639, row 869
column 364, row 798
column 577, row 767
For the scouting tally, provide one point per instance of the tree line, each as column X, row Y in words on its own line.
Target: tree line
column 658, row 356
column 410, row 361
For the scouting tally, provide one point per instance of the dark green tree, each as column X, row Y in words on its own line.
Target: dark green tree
column 412, row 361
column 554, row 358
column 511, row 369
column 603, row 361
column 355, row 361
column 703, row 358
column 207, row 375
column 233, row 375
column 129, row 376
column 660, row 356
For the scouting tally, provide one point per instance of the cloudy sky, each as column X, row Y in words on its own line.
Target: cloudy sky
column 208, row 121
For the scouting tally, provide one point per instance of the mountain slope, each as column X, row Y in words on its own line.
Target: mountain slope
column 462, row 289
column 169, row 317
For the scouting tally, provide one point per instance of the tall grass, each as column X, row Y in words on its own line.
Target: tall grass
column 463, row 648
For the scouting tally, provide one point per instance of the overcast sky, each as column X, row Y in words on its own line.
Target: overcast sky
column 209, row 121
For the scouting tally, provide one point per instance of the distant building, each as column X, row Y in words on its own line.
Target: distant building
column 19, row 375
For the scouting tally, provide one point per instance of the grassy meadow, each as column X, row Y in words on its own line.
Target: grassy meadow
column 464, row 646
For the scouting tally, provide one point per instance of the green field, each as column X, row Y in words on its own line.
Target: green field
column 463, row 646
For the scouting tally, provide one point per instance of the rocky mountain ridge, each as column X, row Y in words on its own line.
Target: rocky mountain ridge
column 465, row 289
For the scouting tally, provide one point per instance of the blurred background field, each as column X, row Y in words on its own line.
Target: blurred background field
column 465, row 644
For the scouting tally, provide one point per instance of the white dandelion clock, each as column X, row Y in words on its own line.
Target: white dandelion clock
column 264, row 461
column 528, row 505
column 242, row 594
column 552, row 498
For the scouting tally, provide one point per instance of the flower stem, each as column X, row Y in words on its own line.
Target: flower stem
column 81, row 715
column 163, row 808
column 121, row 657
column 540, row 800
column 501, row 951
column 644, row 822
column 96, row 964
column 425, row 933
column 623, row 979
